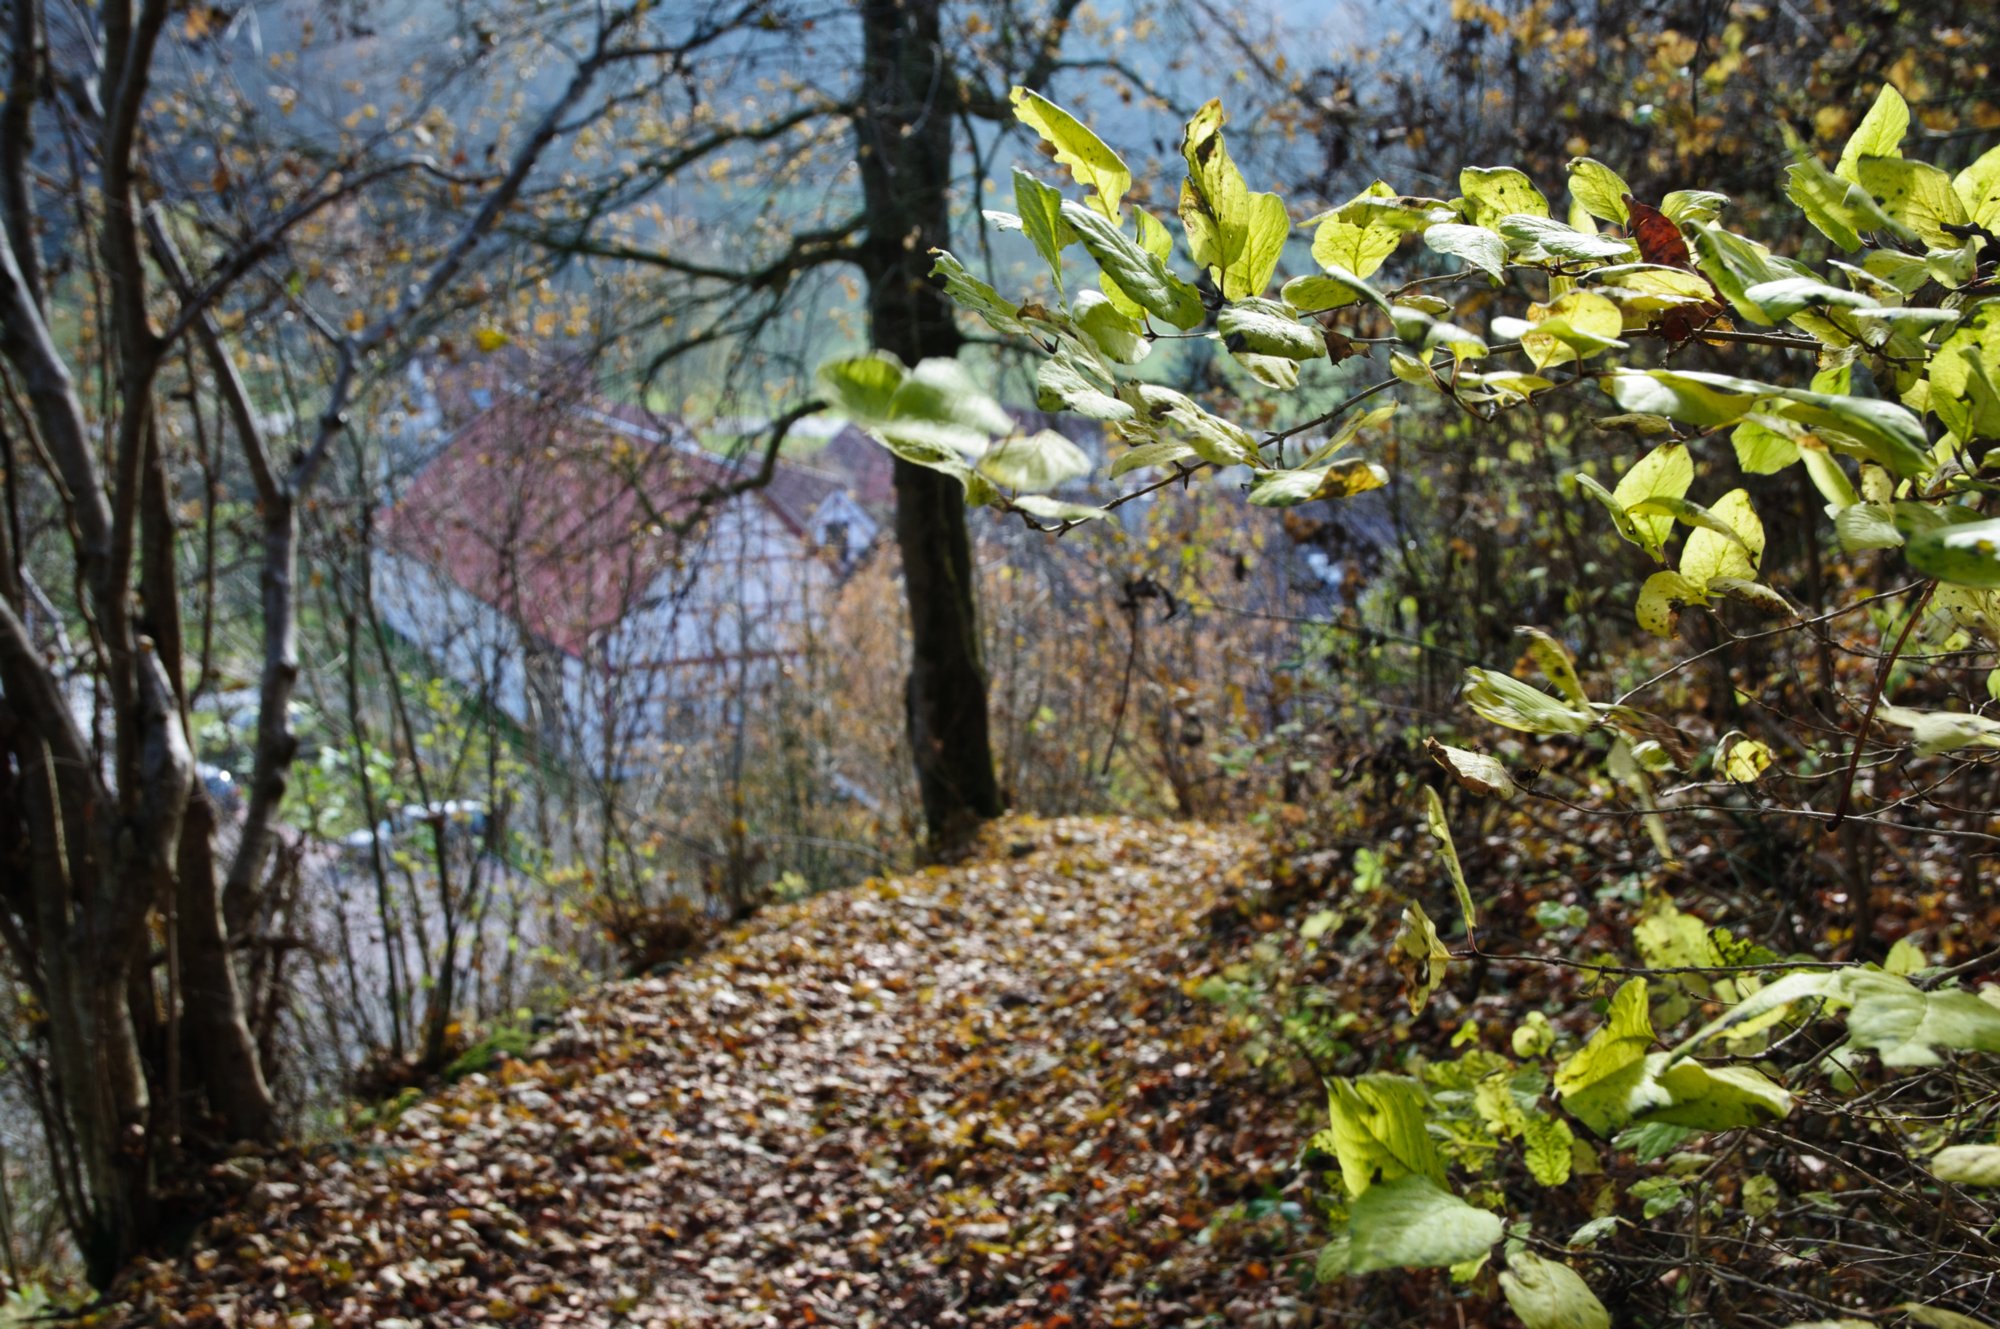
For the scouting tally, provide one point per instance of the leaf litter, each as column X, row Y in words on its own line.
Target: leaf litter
column 971, row 1096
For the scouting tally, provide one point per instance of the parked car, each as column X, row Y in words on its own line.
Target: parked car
column 223, row 790
column 463, row 820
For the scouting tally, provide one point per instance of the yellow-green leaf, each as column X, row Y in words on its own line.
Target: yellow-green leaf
column 1708, row 555
column 1556, row 663
column 1419, row 956
column 1236, row 234
column 1377, row 1129
column 1139, row 274
column 1968, row 1164
column 1315, row 293
column 1576, row 327
column 1594, row 1081
column 1477, row 245
column 1414, row 1223
column 1880, row 133
column 1441, row 832
column 1978, row 188
column 1493, row 192
column 1918, row 195
column 1661, row 600
column 1964, row 554
column 1506, row 700
column 1551, row 1148
column 1548, row 1294
column 1746, row 760
column 1359, row 249
column 1093, row 165
column 1665, row 472
column 1599, row 189
column 1937, row 1317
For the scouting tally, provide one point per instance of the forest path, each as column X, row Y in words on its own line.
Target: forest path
column 979, row 1095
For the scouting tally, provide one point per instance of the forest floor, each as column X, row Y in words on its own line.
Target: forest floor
column 975, row 1096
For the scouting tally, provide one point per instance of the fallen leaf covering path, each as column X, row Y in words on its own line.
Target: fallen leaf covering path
column 976, row 1096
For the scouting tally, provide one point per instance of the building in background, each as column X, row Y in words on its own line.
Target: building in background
column 557, row 558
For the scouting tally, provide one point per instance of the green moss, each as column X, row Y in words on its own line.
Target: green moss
column 507, row 1040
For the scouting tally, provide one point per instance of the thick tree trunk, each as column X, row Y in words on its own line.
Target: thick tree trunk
column 904, row 145
column 945, row 695
column 212, row 1029
column 214, row 1036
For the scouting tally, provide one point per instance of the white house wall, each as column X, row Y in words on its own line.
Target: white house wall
column 709, row 631
column 750, row 590
column 472, row 642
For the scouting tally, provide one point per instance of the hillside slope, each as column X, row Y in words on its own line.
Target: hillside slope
column 974, row 1096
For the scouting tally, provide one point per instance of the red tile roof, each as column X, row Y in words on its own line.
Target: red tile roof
column 551, row 511
column 867, row 467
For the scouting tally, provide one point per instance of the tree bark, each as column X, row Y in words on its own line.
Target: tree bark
column 103, row 850
column 903, row 135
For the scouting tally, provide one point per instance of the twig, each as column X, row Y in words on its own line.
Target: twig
column 1875, row 700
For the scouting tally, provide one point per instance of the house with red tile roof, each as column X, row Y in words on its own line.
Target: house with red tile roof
column 561, row 557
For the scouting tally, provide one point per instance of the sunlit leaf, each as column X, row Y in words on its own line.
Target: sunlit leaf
column 1965, row 375
column 1965, row 554
column 1414, row 1223
column 1498, row 191
column 1093, row 165
column 1576, row 327
column 1597, row 1079
column 1665, row 472
column 1478, row 246
column 1377, row 1126
column 969, row 292
column 1140, row 275
column 1661, row 599
column 1115, row 335
column 1070, row 380
column 1336, row 479
column 1269, row 327
column 1161, row 453
column 1761, row 450
column 1786, row 296
column 1978, row 188
column 1053, row 509
column 1357, row 249
column 1918, row 195
column 1838, row 205
column 1237, row 234
column 1599, row 189
column 1688, row 206
column 1040, row 208
column 1552, row 237
column 1880, row 133
column 1507, row 701
column 1708, row 554
column 1035, row 462
column 1334, row 289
